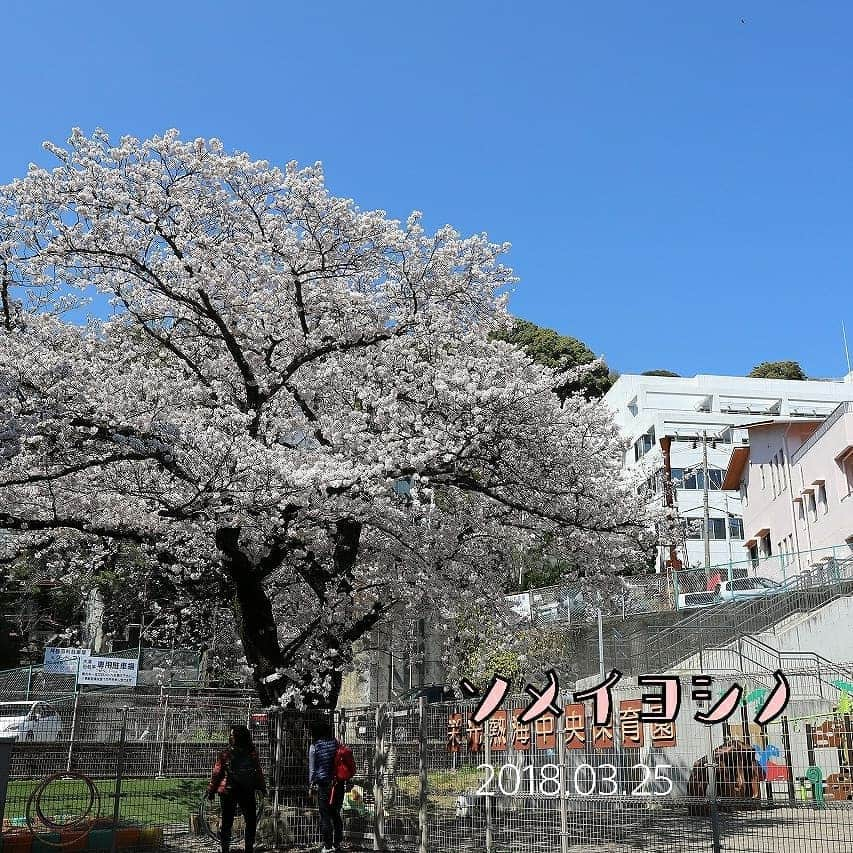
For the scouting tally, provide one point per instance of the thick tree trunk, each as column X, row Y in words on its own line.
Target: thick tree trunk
column 258, row 631
column 253, row 615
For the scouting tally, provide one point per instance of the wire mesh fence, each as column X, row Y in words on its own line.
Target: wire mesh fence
column 431, row 777
column 829, row 568
column 157, row 668
column 441, row 781
column 819, row 567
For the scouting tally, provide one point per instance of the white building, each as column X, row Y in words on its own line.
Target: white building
column 796, row 486
column 671, row 422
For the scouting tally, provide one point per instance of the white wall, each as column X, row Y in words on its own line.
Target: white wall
column 826, row 631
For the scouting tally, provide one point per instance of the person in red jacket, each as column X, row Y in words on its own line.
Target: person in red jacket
column 236, row 775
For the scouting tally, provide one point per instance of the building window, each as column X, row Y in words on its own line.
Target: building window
column 801, row 512
column 782, row 478
column 821, row 499
column 644, row 444
column 773, row 474
column 763, row 481
column 736, row 527
column 812, row 506
column 847, row 468
column 766, row 549
column 694, row 528
column 691, row 478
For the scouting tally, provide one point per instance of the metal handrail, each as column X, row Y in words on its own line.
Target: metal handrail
column 820, row 668
column 689, row 636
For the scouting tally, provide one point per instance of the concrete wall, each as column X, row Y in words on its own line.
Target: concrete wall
column 826, row 631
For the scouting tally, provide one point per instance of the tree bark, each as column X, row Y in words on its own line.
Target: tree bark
column 258, row 630
column 253, row 614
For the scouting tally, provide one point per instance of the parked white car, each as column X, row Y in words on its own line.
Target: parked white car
column 29, row 721
column 691, row 600
column 742, row 588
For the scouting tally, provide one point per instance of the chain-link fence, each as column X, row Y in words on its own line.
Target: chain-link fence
column 157, row 668
column 571, row 603
column 789, row 570
column 431, row 777
column 687, row 589
column 121, row 778
column 434, row 779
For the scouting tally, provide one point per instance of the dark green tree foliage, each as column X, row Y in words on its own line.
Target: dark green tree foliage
column 563, row 353
column 777, row 370
column 661, row 373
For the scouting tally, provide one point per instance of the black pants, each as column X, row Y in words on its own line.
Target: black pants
column 246, row 801
column 330, row 798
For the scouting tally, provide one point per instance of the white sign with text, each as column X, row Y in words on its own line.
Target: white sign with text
column 63, row 661
column 115, row 672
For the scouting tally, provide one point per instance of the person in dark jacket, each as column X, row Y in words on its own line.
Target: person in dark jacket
column 321, row 779
column 236, row 775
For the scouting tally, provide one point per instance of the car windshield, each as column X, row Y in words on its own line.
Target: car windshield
column 767, row 583
column 10, row 709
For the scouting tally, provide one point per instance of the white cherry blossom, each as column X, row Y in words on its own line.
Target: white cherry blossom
column 294, row 404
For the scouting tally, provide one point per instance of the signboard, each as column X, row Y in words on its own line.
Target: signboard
column 63, row 661
column 116, row 672
column 520, row 604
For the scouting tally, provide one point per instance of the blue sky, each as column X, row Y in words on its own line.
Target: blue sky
column 676, row 184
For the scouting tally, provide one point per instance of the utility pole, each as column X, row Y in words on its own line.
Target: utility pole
column 705, row 506
column 729, row 516
column 668, row 498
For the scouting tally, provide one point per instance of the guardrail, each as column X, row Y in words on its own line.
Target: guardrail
column 721, row 624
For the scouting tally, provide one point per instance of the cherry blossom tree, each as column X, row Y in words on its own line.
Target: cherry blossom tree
column 293, row 405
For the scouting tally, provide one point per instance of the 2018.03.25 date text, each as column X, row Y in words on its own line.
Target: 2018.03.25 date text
column 584, row 780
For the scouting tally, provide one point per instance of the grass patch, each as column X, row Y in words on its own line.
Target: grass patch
column 144, row 801
column 444, row 785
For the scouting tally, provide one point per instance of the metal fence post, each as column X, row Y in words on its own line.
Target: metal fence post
column 119, row 773
column 73, row 728
column 6, row 746
column 29, row 680
column 715, row 813
column 786, row 745
column 163, row 737
column 423, row 779
column 379, row 759
column 276, row 778
column 562, row 793
column 487, row 747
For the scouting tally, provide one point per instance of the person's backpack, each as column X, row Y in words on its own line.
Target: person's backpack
column 242, row 771
column 344, row 763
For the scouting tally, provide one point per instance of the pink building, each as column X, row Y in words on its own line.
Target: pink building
column 795, row 478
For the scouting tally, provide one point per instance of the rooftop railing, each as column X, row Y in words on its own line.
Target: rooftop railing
column 815, row 437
